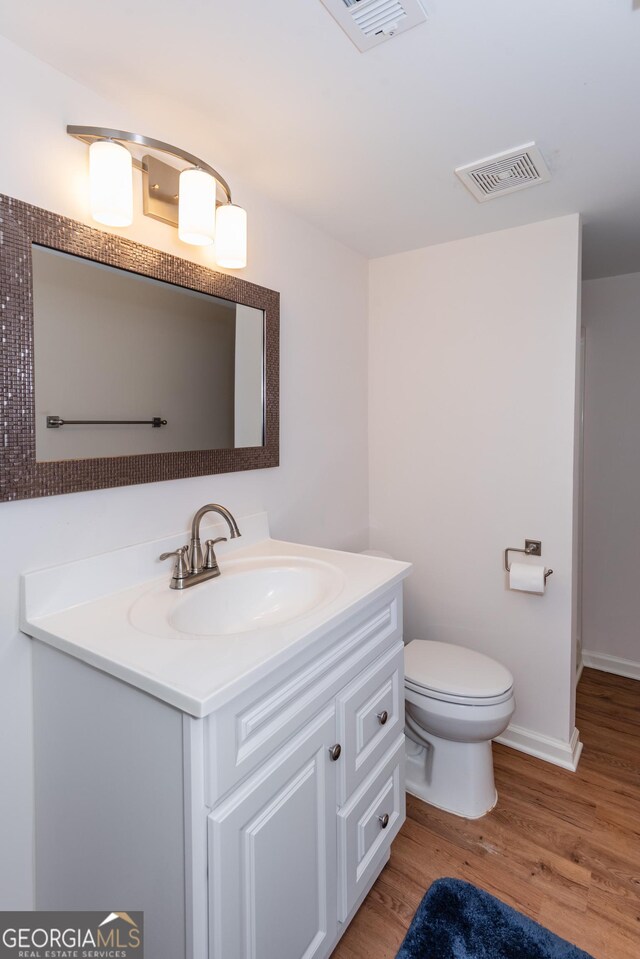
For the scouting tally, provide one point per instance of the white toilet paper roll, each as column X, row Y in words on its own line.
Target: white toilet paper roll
column 527, row 577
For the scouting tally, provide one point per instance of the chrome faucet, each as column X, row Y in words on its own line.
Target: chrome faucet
column 191, row 567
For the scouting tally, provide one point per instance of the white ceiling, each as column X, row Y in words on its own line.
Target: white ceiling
column 364, row 145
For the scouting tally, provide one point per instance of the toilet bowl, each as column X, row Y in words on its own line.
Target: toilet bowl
column 457, row 701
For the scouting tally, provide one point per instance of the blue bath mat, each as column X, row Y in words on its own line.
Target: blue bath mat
column 455, row 920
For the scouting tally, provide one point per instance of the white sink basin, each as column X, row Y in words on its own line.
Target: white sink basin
column 249, row 595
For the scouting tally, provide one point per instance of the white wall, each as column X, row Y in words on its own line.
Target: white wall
column 319, row 493
column 472, row 350
column 611, row 563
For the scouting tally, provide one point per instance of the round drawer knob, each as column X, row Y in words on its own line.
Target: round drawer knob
column 334, row 752
column 382, row 717
column 384, row 820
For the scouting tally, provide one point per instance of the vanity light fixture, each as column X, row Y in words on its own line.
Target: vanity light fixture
column 196, row 200
column 231, row 236
column 111, row 183
column 197, row 207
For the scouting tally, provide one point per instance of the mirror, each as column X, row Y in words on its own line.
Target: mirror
column 98, row 328
column 129, row 364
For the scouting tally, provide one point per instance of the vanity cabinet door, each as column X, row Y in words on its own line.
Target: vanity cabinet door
column 272, row 855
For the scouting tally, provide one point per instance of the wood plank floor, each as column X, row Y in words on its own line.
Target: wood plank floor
column 562, row 847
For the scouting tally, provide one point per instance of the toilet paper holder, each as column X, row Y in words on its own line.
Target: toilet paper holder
column 532, row 547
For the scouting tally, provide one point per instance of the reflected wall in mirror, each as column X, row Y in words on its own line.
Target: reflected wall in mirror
column 113, row 349
column 96, row 327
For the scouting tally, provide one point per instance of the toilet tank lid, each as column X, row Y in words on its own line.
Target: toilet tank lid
column 445, row 668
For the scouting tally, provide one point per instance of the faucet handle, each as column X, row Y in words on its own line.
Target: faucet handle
column 181, row 568
column 210, row 561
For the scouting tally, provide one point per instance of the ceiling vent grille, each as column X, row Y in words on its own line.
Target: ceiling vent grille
column 370, row 22
column 380, row 16
column 505, row 173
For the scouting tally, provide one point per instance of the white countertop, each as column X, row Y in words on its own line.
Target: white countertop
column 83, row 609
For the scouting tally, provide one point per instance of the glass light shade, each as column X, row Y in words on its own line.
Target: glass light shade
column 231, row 236
column 196, row 208
column 111, row 183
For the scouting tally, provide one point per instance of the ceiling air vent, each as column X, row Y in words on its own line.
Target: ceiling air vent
column 505, row 172
column 370, row 22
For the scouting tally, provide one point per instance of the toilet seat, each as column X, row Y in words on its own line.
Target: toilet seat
column 455, row 674
column 461, row 700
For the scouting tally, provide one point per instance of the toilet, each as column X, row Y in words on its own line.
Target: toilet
column 456, row 701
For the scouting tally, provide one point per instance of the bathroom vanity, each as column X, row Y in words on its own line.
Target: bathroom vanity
column 232, row 769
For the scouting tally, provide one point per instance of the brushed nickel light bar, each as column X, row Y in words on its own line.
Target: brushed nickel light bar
column 186, row 199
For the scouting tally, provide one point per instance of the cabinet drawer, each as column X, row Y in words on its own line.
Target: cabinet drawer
column 370, row 718
column 241, row 736
column 363, row 840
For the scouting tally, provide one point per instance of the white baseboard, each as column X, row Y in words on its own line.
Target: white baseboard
column 554, row 751
column 579, row 669
column 611, row 664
